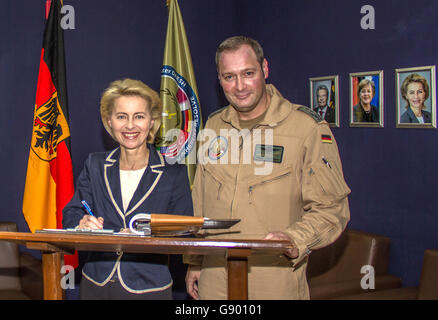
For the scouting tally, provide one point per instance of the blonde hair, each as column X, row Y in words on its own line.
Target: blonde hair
column 414, row 77
column 130, row 87
column 363, row 83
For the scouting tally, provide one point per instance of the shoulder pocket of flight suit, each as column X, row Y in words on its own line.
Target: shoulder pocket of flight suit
column 326, row 182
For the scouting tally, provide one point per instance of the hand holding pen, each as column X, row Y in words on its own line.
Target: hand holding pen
column 89, row 221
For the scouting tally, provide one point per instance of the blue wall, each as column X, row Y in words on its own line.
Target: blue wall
column 391, row 171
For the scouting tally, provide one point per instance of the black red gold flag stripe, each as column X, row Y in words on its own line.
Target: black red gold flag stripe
column 326, row 138
column 49, row 178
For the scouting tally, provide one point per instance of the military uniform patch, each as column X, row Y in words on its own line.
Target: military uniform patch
column 217, row 148
column 311, row 113
column 268, row 153
column 325, row 138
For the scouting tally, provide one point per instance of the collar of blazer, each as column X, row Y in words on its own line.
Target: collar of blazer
column 145, row 187
column 426, row 116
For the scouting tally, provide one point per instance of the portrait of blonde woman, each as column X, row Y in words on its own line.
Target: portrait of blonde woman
column 365, row 111
column 415, row 91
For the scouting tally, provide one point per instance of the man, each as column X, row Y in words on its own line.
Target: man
column 275, row 166
column 325, row 112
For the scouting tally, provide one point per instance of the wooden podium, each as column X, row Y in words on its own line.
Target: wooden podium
column 54, row 245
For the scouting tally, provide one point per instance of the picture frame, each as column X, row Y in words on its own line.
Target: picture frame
column 366, row 99
column 415, row 86
column 325, row 90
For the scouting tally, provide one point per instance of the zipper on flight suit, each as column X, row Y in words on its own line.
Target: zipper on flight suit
column 218, row 182
column 241, row 138
column 251, row 188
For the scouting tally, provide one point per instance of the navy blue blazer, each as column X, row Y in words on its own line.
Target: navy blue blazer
column 163, row 188
column 409, row 117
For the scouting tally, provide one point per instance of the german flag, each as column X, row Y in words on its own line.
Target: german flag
column 325, row 138
column 332, row 103
column 355, row 82
column 49, row 179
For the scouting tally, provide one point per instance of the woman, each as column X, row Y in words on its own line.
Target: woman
column 415, row 90
column 134, row 178
column 364, row 111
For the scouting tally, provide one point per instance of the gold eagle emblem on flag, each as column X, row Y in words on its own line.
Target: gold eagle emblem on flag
column 49, row 128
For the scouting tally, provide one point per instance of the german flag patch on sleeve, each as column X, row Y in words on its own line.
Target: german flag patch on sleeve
column 325, row 138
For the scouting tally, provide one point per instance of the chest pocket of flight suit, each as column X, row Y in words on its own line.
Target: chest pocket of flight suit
column 322, row 183
column 270, row 197
column 266, row 181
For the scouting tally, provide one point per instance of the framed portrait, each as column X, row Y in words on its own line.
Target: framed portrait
column 366, row 99
column 324, row 98
column 415, row 92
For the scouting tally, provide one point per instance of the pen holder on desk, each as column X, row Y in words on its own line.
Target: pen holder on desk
column 164, row 224
column 140, row 224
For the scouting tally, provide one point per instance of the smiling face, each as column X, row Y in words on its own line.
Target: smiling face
column 243, row 81
column 416, row 95
column 130, row 121
column 366, row 95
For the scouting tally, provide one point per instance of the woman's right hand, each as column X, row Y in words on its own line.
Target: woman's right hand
column 90, row 222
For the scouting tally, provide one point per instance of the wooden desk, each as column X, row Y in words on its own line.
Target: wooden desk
column 54, row 245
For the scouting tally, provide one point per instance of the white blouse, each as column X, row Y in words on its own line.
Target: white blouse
column 129, row 180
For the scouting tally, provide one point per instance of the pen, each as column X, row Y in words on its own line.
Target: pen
column 87, row 207
column 326, row 162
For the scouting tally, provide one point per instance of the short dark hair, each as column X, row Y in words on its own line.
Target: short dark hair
column 322, row 87
column 234, row 43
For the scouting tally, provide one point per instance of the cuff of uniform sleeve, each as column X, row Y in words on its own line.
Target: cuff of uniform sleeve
column 303, row 252
column 193, row 259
